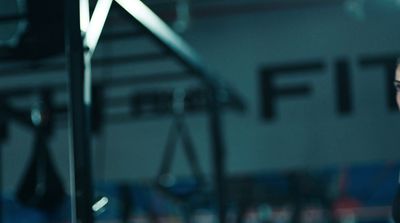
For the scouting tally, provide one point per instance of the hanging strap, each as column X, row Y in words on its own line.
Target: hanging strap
column 178, row 130
column 41, row 187
column 191, row 154
column 169, row 152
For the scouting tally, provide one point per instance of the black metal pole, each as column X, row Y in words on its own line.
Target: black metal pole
column 79, row 117
column 218, row 152
column 1, row 180
column 3, row 137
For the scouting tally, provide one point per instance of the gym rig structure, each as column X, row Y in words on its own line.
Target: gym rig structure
column 82, row 32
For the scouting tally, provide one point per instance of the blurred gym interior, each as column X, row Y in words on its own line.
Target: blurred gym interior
column 198, row 111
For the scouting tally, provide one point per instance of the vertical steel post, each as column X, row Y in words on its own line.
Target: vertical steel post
column 3, row 137
column 218, row 152
column 1, row 180
column 79, row 117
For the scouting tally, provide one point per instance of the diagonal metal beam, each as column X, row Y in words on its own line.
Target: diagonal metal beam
column 96, row 24
column 176, row 45
column 84, row 12
column 165, row 35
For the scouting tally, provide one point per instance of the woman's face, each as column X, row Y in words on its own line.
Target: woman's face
column 397, row 85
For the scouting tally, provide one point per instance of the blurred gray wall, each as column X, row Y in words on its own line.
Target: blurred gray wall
column 307, row 131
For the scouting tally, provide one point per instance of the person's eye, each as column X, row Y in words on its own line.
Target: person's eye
column 397, row 86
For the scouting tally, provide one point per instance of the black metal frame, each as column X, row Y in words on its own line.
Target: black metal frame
column 3, row 136
column 80, row 120
column 81, row 178
column 78, row 53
